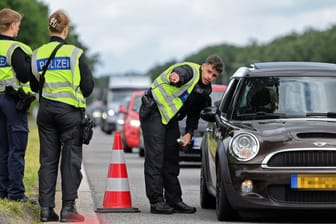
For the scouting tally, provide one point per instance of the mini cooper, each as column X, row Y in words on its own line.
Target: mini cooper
column 271, row 142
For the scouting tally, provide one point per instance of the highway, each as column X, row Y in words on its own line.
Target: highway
column 97, row 158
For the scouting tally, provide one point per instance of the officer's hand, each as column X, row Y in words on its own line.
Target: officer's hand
column 174, row 78
column 186, row 139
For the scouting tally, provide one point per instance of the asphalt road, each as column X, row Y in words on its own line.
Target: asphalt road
column 97, row 158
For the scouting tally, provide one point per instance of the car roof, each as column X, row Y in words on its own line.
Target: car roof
column 138, row 92
column 218, row 87
column 285, row 68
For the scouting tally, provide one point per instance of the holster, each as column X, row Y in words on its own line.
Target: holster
column 148, row 105
column 87, row 128
column 22, row 99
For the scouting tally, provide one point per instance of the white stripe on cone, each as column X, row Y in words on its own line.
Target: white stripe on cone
column 117, row 157
column 117, row 184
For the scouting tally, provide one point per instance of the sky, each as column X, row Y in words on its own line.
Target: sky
column 135, row 35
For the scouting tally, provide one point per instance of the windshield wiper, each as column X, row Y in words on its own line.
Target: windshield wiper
column 328, row 114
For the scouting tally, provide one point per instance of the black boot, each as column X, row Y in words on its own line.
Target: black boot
column 161, row 208
column 69, row 212
column 48, row 215
column 181, row 207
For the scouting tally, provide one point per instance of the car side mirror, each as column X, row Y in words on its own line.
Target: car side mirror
column 217, row 103
column 209, row 114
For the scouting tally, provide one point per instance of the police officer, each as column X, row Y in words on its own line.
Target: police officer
column 181, row 90
column 14, row 72
column 67, row 82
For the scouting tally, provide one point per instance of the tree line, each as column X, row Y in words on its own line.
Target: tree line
column 33, row 29
column 311, row 45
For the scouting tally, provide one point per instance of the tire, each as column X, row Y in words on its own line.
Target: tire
column 224, row 210
column 206, row 199
column 141, row 152
column 127, row 149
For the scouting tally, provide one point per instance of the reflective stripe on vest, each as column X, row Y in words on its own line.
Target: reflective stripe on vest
column 63, row 76
column 168, row 98
column 7, row 73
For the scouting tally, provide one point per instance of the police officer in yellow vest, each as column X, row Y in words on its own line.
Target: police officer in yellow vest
column 181, row 90
column 14, row 72
column 67, row 82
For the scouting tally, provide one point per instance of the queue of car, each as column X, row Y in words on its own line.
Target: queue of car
column 127, row 122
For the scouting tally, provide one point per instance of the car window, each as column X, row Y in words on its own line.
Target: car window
column 228, row 96
column 216, row 96
column 286, row 96
column 137, row 103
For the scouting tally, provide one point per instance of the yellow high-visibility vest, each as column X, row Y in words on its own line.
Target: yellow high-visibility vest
column 7, row 73
column 168, row 98
column 62, row 77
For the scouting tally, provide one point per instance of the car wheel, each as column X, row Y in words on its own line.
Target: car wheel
column 223, row 208
column 207, row 200
column 127, row 149
column 141, row 152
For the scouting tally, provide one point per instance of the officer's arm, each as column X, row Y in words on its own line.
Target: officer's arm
column 185, row 73
column 34, row 85
column 86, row 84
column 21, row 65
column 193, row 114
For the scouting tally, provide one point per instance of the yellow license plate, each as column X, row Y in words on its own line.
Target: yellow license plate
column 313, row 181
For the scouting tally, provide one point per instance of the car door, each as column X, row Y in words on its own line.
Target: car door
column 214, row 135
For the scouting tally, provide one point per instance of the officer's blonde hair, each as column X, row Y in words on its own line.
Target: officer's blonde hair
column 58, row 21
column 7, row 17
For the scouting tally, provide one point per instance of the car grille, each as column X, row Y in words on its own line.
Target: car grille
column 303, row 158
column 283, row 193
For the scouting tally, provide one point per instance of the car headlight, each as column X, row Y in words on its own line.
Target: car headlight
column 135, row 123
column 110, row 112
column 244, row 146
column 96, row 114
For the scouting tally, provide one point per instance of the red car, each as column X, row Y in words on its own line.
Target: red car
column 131, row 126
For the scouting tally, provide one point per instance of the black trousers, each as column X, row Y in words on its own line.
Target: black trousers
column 59, row 128
column 161, row 159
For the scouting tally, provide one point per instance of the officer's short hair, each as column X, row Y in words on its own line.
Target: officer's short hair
column 217, row 62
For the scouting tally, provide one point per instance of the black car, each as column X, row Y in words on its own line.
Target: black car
column 271, row 142
column 192, row 153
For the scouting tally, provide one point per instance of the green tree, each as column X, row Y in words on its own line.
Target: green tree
column 33, row 30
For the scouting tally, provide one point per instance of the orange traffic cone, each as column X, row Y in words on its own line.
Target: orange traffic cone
column 117, row 197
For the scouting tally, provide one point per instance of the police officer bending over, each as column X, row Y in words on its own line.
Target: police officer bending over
column 66, row 84
column 181, row 90
column 14, row 71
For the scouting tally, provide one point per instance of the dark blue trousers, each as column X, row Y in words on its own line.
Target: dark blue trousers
column 161, row 166
column 13, row 143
